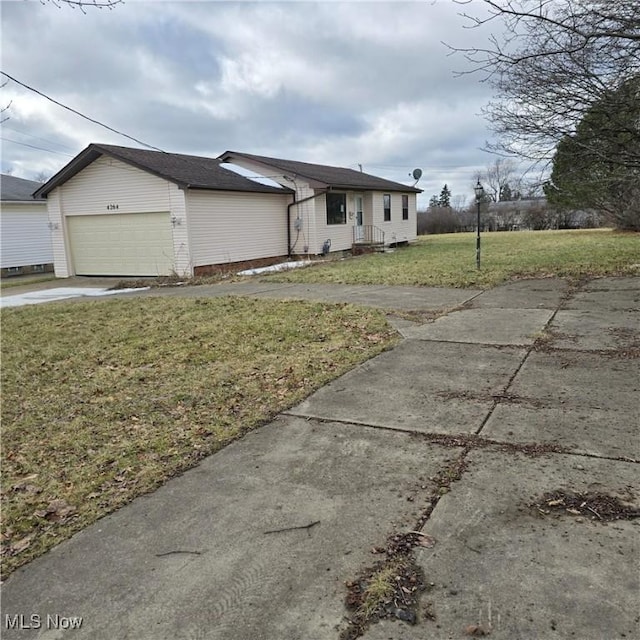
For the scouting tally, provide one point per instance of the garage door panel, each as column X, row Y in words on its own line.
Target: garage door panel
column 139, row 244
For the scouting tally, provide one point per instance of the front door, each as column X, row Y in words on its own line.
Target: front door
column 359, row 218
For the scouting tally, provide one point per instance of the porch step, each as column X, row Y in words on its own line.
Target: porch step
column 358, row 248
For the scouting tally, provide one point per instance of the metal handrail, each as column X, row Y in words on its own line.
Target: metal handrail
column 368, row 234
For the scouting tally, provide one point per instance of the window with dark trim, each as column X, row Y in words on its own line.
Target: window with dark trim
column 405, row 207
column 336, row 208
column 386, row 204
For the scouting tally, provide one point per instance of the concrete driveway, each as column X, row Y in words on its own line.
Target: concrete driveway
column 505, row 432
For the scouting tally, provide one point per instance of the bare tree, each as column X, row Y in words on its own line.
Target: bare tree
column 498, row 176
column 81, row 4
column 459, row 203
column 549, row 61
column 438, row 219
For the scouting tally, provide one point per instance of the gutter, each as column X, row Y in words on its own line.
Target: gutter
column 34, row 201
column 297, row 202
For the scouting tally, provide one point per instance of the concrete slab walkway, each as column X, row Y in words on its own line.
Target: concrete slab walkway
column 382, row 297
column 461, row 431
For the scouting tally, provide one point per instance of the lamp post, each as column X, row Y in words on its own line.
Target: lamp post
column 479, row 189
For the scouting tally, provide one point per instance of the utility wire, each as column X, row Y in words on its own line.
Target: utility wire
column 64, row 106
column 31, row 146
column 30, row 135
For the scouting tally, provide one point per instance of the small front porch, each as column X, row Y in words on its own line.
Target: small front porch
column 367, row 238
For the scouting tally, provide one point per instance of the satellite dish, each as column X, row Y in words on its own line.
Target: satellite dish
column 417, row 174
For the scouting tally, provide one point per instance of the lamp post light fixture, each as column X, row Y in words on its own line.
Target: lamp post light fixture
column 479, row 189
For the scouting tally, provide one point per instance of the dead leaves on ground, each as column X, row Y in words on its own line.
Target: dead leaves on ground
column 57, row 511
column 593, row 505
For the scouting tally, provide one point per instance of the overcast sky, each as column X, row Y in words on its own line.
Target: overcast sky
column 367, row 83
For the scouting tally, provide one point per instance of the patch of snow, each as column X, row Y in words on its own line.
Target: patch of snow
column 59, row 293
column 283, row 266
column 251, row 175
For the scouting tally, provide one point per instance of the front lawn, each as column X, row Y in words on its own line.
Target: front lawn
column 104, row 401
column 450, row 260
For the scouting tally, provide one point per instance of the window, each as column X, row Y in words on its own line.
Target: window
column 386, row 201
column 336, row 208
column 405, row 207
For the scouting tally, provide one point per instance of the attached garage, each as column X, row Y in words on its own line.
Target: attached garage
column 133, row 244
column 117, row 211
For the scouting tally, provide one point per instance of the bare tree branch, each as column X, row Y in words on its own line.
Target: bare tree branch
column 549, row 61
column 499, row 176
column 81, row 4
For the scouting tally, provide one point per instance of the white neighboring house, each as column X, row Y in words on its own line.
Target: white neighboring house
column 118, row 211
column 24, row 230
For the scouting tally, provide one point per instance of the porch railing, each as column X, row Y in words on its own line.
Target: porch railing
column 368, row 234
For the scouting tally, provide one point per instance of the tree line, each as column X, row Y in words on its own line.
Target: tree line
column 510, row 202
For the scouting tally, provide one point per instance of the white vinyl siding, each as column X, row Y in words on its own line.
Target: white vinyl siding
column 181, row 248
column 135, row 244
column 397, row 229
column 25, row 234
column 315, row 230
column 108, row 183
column 61, row 265
column 227, row 227
column 306, row 212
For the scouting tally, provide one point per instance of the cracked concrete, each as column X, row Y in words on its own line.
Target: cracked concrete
column 518, row 573
column 351, row 458
column 516, row 327
column 416, row 387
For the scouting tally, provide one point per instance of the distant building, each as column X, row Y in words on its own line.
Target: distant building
column 535, row 213
column 513, row 215
column 24, row 228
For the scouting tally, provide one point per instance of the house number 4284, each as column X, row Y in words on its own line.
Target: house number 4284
column 112, row 207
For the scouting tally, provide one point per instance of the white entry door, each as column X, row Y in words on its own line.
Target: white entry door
column 359, row 217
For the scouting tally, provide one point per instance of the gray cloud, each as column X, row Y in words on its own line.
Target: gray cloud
column 340, row 83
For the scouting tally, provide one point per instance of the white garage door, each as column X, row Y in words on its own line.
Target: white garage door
column 137, row 244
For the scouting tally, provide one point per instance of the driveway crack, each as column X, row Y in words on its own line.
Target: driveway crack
column 498, row 398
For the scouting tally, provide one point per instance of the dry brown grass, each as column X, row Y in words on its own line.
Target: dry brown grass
column 105, row 400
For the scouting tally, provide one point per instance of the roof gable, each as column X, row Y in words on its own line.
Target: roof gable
column 14, row 189
column 193, row 172
column 334, row 177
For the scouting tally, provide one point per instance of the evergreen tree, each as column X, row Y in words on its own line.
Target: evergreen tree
column 505, row 193
column 598, row 167
column 445, row 197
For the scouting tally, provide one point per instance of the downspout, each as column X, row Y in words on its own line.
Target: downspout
column 297, row 202
column 289, row 224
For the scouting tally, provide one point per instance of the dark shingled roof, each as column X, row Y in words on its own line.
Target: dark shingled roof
column 335, row 177
column 187, row 171
column 17, row 189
